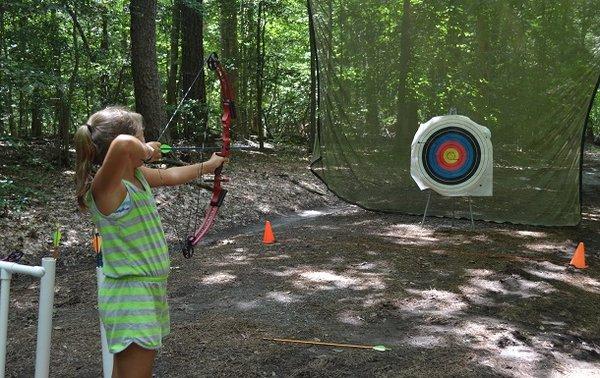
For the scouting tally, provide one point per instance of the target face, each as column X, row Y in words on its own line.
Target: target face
column 451, row 156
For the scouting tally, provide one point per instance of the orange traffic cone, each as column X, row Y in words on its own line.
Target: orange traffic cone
column 578, row 260
column 268, row 236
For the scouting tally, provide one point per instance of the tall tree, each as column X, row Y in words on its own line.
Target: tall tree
column 173, row 67
column 146, row 82
column 406, row 116
column 3, row 99
column 228, row 25
column 260, row 62
column 192, row 65
column 174, row 53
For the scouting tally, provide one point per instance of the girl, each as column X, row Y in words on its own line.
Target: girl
column 132, row 299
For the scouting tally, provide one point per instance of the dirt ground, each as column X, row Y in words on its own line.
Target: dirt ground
column 498, row 300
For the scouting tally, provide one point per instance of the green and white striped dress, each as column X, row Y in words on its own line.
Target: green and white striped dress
column 133, row 298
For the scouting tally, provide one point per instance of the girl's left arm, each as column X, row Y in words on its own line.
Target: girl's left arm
column 181, row 175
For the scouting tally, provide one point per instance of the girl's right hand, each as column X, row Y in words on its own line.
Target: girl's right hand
column 156, row 154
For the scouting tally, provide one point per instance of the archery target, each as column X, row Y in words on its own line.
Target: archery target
column 452, row 155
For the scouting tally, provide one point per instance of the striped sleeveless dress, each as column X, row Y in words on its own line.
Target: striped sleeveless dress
column 133, row 297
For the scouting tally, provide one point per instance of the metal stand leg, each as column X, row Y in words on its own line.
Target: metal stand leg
column 426, row 207
column 471, row 213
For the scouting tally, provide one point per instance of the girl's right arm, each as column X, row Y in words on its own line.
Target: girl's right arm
column 125, row 153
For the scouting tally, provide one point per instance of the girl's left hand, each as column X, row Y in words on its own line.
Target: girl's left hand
column 216, row 161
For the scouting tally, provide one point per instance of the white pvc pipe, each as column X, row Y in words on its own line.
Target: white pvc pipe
column 12, row 267
column 4, row 303
column 107, row 357
column 46, row 305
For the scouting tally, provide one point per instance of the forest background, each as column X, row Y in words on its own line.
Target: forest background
column 61, row 60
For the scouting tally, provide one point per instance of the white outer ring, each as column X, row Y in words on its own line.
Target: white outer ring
column 482, row 136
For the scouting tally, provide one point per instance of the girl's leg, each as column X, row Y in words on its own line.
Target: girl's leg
column 134, row 362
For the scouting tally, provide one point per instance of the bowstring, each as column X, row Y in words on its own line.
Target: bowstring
column 180, row 103
column 182, row 234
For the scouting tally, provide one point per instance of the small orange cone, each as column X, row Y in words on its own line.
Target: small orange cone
column 578, row 260
column 268, row 236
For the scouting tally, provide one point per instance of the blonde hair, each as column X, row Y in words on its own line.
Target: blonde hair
column 93, row 139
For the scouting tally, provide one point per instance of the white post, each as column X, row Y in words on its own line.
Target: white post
column 4, row 303
column 107, row 357
column 46, row 305
column 46, row 272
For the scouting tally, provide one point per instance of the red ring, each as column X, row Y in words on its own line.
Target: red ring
column 461, row 155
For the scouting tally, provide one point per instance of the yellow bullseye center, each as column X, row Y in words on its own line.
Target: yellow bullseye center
column 451, row 156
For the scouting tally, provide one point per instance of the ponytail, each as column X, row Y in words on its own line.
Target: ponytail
column 93, row 139
column 86, row 152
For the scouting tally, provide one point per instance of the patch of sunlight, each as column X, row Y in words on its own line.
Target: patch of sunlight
column 350, row 317
column 479, row 272
column 571, row 367
column 432, row 301
column 225, row 242
column 591, row 216
column 502, row 344
column 534, row 234
column 372, row 299
column 280, row 273
column 282, row 297
column 329, row 277
column 544, row 247
column 410, row 234
column 366, row 265
column 308, row 278
column 310, row 213
column 237, row 257
column 482, row 283
column 71, row 238
column 218, row 278
column 426, row 341
column 265, row 208
column 579, row 280
column 248, row 305
column 282, row 256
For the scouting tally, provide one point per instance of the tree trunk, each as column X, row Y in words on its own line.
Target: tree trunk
column 104, row 53
column 244, row 104
column 258, row 115
column 406, row 117
column 174, row 54
column 229, row 45
column 3, row 100
column 22, row 115
column 146, row 83
column 64, row 106
column 313, row 80
column 36, row 114
column 173, row 69
column 192, row 65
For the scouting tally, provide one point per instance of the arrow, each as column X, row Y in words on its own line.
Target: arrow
column 165, row 148
column 379, row 348
column 97, row 245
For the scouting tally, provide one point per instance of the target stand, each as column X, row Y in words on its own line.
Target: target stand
column 453, row 156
